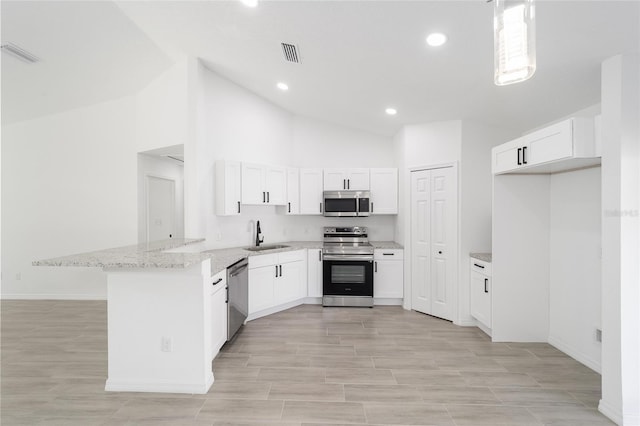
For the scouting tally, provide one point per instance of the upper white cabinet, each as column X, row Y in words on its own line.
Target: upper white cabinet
column 263, row 184
column 346, row 179
column 384, row 191
column 228, row 188
column 293, row 191
column 311, row 191
column 567, row 145
column 388, row 273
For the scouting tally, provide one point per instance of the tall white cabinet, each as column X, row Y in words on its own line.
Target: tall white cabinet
column 228, row 196
column 311, row 187
column 384, row 191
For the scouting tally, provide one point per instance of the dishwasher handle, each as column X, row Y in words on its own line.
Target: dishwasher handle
column 238, row 267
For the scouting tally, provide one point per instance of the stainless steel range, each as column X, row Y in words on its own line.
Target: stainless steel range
column 347, row 267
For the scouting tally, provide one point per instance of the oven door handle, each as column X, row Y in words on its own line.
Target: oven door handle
column 347, row 258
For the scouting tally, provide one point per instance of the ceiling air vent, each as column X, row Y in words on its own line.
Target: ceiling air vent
column 19, row 53
column 290, row 53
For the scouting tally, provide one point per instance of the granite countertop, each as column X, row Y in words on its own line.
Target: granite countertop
column 485, row 257
column 170, row 254
column 149, row 255
column 386, row 245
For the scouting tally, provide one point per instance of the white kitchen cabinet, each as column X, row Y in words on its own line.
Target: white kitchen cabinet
column 346, row 179
column 218, row 306
column 228, row 188
column 314, row 272
column 311, row 184
column 567, row 145
column 384, row 191
column 292, row 205
column 263, row 184
column 388, row 273
column 480, row 291
column 276, row 279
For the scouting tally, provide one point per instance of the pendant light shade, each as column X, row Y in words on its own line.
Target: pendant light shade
column 514, row 40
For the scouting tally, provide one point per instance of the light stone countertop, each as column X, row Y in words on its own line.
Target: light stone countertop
column 386, row 245
column 150, row 255
column 485, row 257
column 169, row 254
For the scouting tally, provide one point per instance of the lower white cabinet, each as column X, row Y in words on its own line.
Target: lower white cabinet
column 275, row 279
column 480, row 282
column 314, row 272
column 388, row 273
column 218, row 305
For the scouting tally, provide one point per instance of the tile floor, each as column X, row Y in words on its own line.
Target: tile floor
column 303, row 366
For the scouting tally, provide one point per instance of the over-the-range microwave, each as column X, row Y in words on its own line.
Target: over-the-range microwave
column 347, row 203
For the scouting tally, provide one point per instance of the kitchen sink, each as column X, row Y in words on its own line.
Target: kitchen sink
column 269, row 247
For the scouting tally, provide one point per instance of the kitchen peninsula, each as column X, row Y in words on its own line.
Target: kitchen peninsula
column 159, row 314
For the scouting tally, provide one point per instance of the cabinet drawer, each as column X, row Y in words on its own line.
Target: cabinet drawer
column 388, row 254
column 480, row 266
column 262, row 260
column 217, row 282
column 291, row 256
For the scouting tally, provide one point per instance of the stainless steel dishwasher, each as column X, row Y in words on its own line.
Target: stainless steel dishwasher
column 237, row 296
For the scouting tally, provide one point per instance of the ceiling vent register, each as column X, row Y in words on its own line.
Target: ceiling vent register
column 290, row 53
column 19, row 53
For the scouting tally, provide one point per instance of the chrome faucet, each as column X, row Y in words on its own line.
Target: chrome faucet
column 258, row 232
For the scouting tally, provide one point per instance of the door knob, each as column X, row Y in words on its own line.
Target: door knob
column 439, row 252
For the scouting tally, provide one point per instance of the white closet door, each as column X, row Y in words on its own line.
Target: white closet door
column 444, row 217
column 421, row 241
column 434, row 218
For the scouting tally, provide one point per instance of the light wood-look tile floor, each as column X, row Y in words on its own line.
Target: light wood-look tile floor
column 303, row 366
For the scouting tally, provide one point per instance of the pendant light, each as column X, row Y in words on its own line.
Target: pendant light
column 514, row 40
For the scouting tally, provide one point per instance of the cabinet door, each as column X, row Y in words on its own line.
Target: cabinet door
column 293, row 192
column 549, row 144
column 218, row 320
column 276, row 185
column 384, row 191
column 335, row 179
column 507, row 156
column 261, row 281
column 252, row 184
column 288, row 284
column 314, row 273
column 480, row 304
column 311, row 191
column 358, row 179
column 388, row 278
column 228, row 189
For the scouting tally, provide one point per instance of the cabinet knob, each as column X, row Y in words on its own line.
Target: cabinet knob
column 440, row 252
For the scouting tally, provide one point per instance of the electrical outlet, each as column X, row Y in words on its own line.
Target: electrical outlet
column 219, row 236
column 167, row 344
column 18, row 276
column 598, row 335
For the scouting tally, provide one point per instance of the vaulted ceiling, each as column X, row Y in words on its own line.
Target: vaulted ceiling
column 357, row 57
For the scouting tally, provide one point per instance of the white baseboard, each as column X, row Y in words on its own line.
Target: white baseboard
column 575, row 354
column 17, row 296
column 612, row 413
column 274, row 309
column 132, row 385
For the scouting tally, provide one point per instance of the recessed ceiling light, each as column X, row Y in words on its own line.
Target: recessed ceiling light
column 250, row 3
column 391, row 111
column 282, row 86
column 436, row 39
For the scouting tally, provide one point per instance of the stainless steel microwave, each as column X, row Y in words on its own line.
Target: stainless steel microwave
column 347, row 203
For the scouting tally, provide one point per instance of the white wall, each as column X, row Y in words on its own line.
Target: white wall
column 476, row 185
column 574, row 258
column 68, row 187
column 164, row 168
column 162, row 110
column 621, row 239
column 239, row 125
